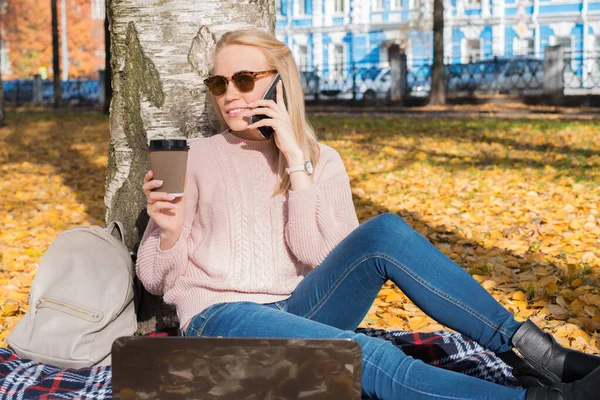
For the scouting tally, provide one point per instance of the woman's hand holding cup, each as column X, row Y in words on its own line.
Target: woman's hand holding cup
column 165, row 209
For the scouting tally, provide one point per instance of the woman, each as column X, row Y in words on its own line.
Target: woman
column 235, row 255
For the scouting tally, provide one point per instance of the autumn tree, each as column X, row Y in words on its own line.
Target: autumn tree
column 27, row 32
column 160, row 54
column 85, row 40
column 438, row 93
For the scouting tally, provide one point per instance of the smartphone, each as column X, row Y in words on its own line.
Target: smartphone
column 270, row 94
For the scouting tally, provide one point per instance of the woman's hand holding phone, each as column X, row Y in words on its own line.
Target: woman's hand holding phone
column 166, row 210
column 279, row 120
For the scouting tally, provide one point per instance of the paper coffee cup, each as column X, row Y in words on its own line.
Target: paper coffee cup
column 168, row 162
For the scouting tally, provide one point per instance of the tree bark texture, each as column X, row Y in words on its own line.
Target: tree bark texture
column 55, row 55
column 438, row 92
column 107, row 66
column 160, row 54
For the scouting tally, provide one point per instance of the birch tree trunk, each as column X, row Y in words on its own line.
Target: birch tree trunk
column 160, row 53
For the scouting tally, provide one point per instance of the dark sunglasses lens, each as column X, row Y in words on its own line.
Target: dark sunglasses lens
column 217, row 85
column 244, row 82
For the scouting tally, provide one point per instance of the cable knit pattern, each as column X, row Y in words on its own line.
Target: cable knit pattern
column 239, row 243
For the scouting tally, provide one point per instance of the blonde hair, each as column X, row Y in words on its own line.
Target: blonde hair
column 278, row 57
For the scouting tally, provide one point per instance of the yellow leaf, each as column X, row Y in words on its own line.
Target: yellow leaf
column 395, row 323
column 577, row 306
column 393, row 297
column 10, row 307
column 489, row 284
column 417, row 322
column 551, row 288
column 519, row 296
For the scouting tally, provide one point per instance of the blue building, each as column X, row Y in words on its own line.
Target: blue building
column 326, row 34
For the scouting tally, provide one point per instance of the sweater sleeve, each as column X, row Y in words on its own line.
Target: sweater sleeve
column 323, row 214
column 158, row 269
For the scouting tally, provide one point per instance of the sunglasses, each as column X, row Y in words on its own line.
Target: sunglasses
column 243, row 81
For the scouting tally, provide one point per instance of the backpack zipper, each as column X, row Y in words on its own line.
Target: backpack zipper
column 70, row 307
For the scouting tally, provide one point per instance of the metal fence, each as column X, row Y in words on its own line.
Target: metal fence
column 365, row 81
column 582, row 73
column 74, row 92
column 498, row 75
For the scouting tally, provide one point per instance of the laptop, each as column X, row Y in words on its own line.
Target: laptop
column 177, row 368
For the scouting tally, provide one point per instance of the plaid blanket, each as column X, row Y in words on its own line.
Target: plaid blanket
column 25, row 379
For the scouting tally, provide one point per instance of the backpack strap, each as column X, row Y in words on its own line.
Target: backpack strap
column 115, row 228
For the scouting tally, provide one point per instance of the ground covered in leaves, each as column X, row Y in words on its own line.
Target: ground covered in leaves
column 514, row 202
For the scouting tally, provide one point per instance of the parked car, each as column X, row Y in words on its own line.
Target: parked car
column 419, row 79
column 479, row 76
column 367, row 83
column 524, row 75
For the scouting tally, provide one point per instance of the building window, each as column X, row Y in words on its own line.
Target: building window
column 472, row 4
column 302, row 56
column 597, row 52
column 523, row 47
column 337, row 62
column 396, row 4
column 472, row 50
column 300, row 7
column 567, row 44
column 98, row 9
column 338, row 6
column 378, row 6
column 278, row 7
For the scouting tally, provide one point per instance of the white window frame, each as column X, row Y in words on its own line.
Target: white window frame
column 303, row 59
column 555, row 41
column 521, row 46
column 472, row 4
column 339, row 6
column 396, row 4
column 596, row 53
column 378, row 5
column 466, row 50
column 300, row 7
column 334, row 72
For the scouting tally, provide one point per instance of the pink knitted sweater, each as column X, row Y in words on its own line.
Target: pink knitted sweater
column 238, row 242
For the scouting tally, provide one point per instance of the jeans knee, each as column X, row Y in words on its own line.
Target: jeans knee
column 383, row 231
column 390, row 224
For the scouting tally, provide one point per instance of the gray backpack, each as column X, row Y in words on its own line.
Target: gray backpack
column 81, row 300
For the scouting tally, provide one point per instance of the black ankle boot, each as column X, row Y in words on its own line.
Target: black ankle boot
column 537, row 359
column 587, row 388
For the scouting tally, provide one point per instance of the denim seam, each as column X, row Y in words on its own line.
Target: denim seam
column 216, row 310
column 408, row 271
column 407, row 387
column 445, row 296
column 335, row 285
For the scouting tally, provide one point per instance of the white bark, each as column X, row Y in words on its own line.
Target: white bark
column 160, row 53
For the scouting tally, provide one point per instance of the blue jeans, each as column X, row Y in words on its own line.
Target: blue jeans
column 334, row 298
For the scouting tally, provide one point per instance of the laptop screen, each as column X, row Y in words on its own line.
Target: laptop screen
column 235, row 368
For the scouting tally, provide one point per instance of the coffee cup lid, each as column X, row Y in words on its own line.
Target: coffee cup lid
column 168, row 144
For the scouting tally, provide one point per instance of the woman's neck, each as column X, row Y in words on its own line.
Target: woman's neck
column 248, row 134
